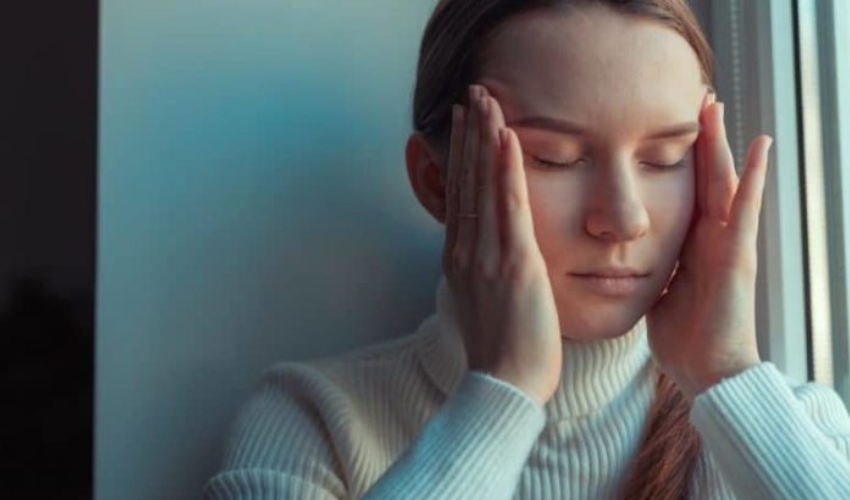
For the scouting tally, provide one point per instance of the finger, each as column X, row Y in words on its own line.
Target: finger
column 702, row 144
column 721, row 178
column 488, row 227
column 748, row 200
column 515, row 211
column 452, row 189
column 467, row 226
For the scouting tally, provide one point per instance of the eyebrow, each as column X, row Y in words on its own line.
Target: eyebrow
column 569, row 128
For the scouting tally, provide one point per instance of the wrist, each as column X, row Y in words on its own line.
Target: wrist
column 706, row 380
column 529, row 388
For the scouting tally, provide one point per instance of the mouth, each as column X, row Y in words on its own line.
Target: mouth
column 611, row 286
column 613, row 272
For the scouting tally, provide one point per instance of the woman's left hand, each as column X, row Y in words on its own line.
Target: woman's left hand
column 703, row 328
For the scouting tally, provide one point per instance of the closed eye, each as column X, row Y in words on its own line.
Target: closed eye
column 552, row 165
column 673, row 166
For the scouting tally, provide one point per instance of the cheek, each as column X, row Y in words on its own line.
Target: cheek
column 671, row 206
column 555, row 205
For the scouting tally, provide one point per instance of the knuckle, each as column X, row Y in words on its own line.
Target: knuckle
column 486, row 270
column 513, row 202
column 459, row 261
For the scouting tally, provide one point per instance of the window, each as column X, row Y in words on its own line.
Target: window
column 756, row 78
column 825, row 91
column 779, row 71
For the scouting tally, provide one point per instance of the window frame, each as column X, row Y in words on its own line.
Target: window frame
column 756, row 75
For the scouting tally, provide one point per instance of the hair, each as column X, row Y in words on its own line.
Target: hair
column 450, row 59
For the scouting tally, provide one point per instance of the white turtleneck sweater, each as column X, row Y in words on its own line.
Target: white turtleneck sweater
column 407, row 419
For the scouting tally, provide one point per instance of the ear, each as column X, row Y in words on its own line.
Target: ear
column 423, row 170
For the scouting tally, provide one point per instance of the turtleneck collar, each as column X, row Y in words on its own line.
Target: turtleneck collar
column 593, row 372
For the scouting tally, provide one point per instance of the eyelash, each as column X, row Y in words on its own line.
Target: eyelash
column 551, row 165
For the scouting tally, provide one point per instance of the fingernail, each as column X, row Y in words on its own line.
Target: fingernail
column 722, row 112
column 768, row 145
column 712, row 98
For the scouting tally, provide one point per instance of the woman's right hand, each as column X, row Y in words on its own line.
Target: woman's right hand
column 500, row 285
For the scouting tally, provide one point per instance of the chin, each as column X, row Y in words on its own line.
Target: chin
column 596, row 326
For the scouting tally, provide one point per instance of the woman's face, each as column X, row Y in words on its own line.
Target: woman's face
column 595, row 89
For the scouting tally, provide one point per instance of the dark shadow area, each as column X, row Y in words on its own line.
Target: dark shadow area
column 48, row 200
column 46, row 425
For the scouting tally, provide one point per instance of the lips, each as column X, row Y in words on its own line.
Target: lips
column 613, row 273
column 618, row 287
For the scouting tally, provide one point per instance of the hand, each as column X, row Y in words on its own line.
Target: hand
column 703, row 328
column 497, row 275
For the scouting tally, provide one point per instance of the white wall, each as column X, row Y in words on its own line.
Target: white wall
column 254, row 206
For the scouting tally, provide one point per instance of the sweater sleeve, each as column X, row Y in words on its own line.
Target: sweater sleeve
column 474, row 446
column 277, row 447
column 772, row 441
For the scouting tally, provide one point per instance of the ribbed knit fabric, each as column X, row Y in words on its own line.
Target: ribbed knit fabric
column 407, row 419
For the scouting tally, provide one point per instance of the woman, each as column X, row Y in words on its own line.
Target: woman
column 595, row 328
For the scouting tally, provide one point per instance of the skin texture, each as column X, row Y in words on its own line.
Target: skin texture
column 620, row 79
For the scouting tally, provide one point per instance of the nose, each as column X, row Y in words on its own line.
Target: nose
column 615, row 208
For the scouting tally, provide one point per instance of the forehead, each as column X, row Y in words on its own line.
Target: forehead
column 595, row 65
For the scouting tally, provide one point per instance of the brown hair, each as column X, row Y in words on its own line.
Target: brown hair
column 449, row 59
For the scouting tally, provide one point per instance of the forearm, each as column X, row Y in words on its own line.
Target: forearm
column 764, row 442
column 475, row 446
